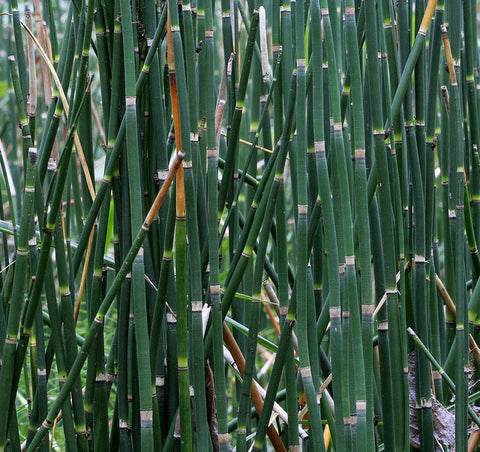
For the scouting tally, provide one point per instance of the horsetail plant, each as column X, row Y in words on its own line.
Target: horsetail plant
column 254, row 225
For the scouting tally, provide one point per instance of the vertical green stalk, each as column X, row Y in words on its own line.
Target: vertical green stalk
column 193, row 174
column 301, row 234
column 136, row 216
column 420, row 294
column 431, row 118
column 387, row 229
column 364, row 388
column 213, row 143
column 179, row 93
column 330, row 240
column 456, row 214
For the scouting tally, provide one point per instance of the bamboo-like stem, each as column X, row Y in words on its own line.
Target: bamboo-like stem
column 213, row 117
column 364, row 390
column 136, row 215
column 456, row 180
column 416, row 157
column 385, row 320
column 177, row 89
column 301, row 238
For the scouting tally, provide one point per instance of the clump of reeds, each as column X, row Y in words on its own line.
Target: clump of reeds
column 218, row 227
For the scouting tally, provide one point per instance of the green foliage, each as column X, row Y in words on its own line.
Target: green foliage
column 210, row 213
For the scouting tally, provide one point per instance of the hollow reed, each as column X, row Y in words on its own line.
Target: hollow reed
column 235, row 224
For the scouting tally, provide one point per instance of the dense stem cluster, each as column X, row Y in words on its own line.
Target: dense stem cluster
column 245, row 229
